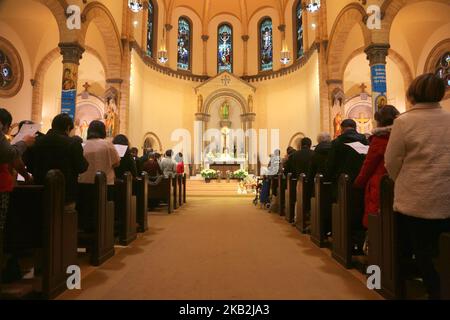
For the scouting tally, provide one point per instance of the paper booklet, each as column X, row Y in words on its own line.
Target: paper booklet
column 26, row 130
column 121, row 149
column 359, row 147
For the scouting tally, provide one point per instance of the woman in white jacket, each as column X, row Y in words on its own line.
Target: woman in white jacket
column 418, row 160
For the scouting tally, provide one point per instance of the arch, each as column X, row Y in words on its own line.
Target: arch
column 225, row 67
column 225, row 93
column 435, row 54
column 103, row 19
column 391, row 8
column 265, row 58
column 352, row 14
column 15, row 67
column 58, row 10
column 294, row 138
column 393, row 55
column 154, row 137
column 183, row 63
column 38, row 81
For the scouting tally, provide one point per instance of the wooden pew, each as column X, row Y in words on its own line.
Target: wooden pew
column 301, row 219
column 444, row 257
column 175, row 190
column 290, row 196
column 161, row 189
column 341, row 223
column 140, row 190
column 383, row 243
column 125, row 210
column 180, row 189
column 281, row 195
column 96, row 220
column 38, row 219
column 320, row 210
column 184, row 188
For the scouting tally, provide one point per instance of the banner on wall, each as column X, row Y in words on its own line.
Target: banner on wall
column 378, row 72
column 69, row 90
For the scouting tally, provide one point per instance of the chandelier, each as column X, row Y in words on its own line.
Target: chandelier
column 313, row 6
column 135, row 5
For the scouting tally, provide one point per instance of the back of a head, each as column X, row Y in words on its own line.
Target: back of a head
column 62, row 123
column 323, row 137
column 386, row 115
column 306, row 143
column 24, row 122
column 169, row 153
column 290, row 150
column 121, row 139
column 348, row 124
column 427, row 88
column 77, row 139
column 5, row 117
column 96, row 130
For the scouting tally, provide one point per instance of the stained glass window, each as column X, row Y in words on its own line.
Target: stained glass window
column 184, row 44
column 151, row 36
column 299, row 29
column 443, row 68
column 266, row 44
column 225, row 48
column 6, row 74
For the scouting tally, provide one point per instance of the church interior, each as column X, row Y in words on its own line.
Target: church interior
column 220, row 90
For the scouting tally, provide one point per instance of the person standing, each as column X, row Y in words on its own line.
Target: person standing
column 301, row 159
column 168, row 165
column 180, row 163
column 127, row 163
column 418, row 160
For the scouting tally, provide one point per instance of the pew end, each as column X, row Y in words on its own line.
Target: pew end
column 445, row 265
column 125, row 209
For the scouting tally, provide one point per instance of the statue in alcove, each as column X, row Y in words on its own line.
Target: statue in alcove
column 111, row 118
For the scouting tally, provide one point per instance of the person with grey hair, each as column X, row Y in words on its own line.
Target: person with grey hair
column 319, row 159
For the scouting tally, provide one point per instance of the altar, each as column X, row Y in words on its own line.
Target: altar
column 225, row 163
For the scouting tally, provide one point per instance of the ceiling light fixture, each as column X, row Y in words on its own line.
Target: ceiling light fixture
column 313, row 6
column 135, row 5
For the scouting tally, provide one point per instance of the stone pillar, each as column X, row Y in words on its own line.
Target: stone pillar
column 205, row 39
column 72, row 53
column 168, row 28
column 376, row 54
column 201, row 120
column 250, row 142
column 245, row 39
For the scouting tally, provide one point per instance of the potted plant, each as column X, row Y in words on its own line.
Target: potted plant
column 240, row 174
column 208, row 174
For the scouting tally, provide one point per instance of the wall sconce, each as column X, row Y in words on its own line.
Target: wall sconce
column 285, row 53
column 162, row 52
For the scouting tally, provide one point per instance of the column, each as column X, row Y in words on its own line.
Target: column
column 168, row 28
column 248, row 120
column 245, row 39
column 72, row 53
column 199, row 130
column 376, row 54
column 205, row 39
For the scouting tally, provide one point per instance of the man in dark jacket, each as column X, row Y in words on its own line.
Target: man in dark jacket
column 301, row 159
column 343, row 159
column 319, row 158
column 56, row 150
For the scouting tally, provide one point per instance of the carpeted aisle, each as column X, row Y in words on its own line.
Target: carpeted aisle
column 221, row 248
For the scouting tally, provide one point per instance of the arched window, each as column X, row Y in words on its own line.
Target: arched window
column 298, row 30
column 225, row 48
column 151, row 29
column 6, row 72
column 266, row 44
column 443, row 68
column 184, row 43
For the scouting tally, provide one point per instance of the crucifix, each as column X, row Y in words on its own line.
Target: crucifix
column 362, row 122
column 363, row 87
column 86, row 86
column 85, row 93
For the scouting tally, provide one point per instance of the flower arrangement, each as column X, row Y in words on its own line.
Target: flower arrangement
column 240, row 174
column 209, row 173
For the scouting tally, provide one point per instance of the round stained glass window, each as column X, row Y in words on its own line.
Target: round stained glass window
column 443, row 68
column 6, row 74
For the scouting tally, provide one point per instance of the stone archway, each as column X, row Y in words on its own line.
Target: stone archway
column 295, row 140
column 38, row 81
column 152, row 141
column 225, row 93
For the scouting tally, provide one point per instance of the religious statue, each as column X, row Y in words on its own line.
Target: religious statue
column 83, row 130
column 250, row 103
column 111, row 118
column 225, row 111
column 337, row 125
column 200, row 103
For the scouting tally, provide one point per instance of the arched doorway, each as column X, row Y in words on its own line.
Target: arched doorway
column 152, row 141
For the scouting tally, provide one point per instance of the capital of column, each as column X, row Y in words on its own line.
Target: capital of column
column 245, row 37
column 168, row 27
column 248, row 117
column 72, row 52
column 202, row 117
column 205, row 37
column 377, row 53
column 334, row 81
column 114, row 81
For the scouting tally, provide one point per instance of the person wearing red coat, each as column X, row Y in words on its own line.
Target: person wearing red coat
column 373, row 168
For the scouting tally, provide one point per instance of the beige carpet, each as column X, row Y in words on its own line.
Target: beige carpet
column 221, row 248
